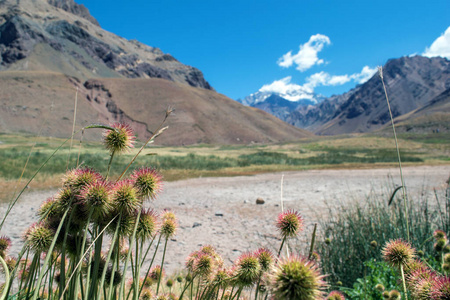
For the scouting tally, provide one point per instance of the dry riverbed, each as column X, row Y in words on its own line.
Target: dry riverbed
column 223, row 212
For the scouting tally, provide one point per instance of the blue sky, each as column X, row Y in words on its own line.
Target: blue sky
column 242, row 46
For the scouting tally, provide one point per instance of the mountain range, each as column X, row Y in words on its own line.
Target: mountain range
column 53, row 52
column 412, row 83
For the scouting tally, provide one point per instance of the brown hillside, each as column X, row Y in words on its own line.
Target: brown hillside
column 30, row 101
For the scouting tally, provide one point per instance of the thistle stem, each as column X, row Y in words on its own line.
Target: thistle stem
column 281, row 247
column 162, row 265
column 403, row 281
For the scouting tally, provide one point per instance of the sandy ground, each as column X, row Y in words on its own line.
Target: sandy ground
column 222, row 211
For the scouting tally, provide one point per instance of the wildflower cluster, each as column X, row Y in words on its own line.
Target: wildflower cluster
column 421, row 281
column 95, row 232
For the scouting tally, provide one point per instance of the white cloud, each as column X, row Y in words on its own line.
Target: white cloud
column 285, row 87
column 294, row 92
column 440, row 47
column 307, row 55
column 365, row 74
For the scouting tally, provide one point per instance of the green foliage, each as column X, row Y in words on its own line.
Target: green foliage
column 351, row 230
column 376, row 273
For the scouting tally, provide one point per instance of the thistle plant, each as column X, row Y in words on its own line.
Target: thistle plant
column 289, row 224
column 95, row 233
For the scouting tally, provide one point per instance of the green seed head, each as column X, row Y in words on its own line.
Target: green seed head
column 119, row 140
column 297, row 278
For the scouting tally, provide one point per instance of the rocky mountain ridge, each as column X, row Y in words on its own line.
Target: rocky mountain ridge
column 61, row 36
column 412, row 82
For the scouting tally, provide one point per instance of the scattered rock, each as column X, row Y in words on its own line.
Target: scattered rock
column 245, row 201
column 260, row 201
column 219, row 214
column 196, row 224
column 276, row 205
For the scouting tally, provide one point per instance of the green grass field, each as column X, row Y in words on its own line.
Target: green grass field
column 352, row 151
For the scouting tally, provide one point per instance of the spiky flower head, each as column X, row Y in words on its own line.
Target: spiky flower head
column 147, row 294
column 203, row 265
column 169, row 225
column 422, row 289
column 156, row 273
column 211, row 251
column 297, row 278
column 148, row 222
column 265, row 258
column 48, row 209
column 119, row 140
column 416, row 276
column 398, row 253
column 289, row 223
column 439, row 234
column 96, row 198
column 5, row 243
column 394, row 295
column 247, row 269
column 11, row 263
column 116, row 277
column 446, row 249
column 77, row 179
column 440, row 289
column 335, row 295
column 147, row 181
column 125, row 223
column 125, row 197
column 39, row 237
column 415, row 265
column 440, row 244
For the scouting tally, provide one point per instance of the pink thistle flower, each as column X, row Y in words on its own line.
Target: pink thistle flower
column 440, row 289
column 169, row 224
column 96, row 197
column 335, row 295
column 247, row 270
column 77, row 179
column 5, row 243
column 156, row 273
column 289, row 223
column 148, row 222
column 439, row 234
column 414, row 277
column 125, row 197
column 39, row 237
column 398, row 253
column 203, row 265
column 297, row 278
column 119, row 140
column 265, row 258
column 148, row 182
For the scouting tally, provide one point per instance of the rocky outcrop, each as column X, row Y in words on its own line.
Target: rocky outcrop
column 74, row 8
column 18, row 36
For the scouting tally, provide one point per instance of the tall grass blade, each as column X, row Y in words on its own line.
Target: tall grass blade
column 405, row 204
